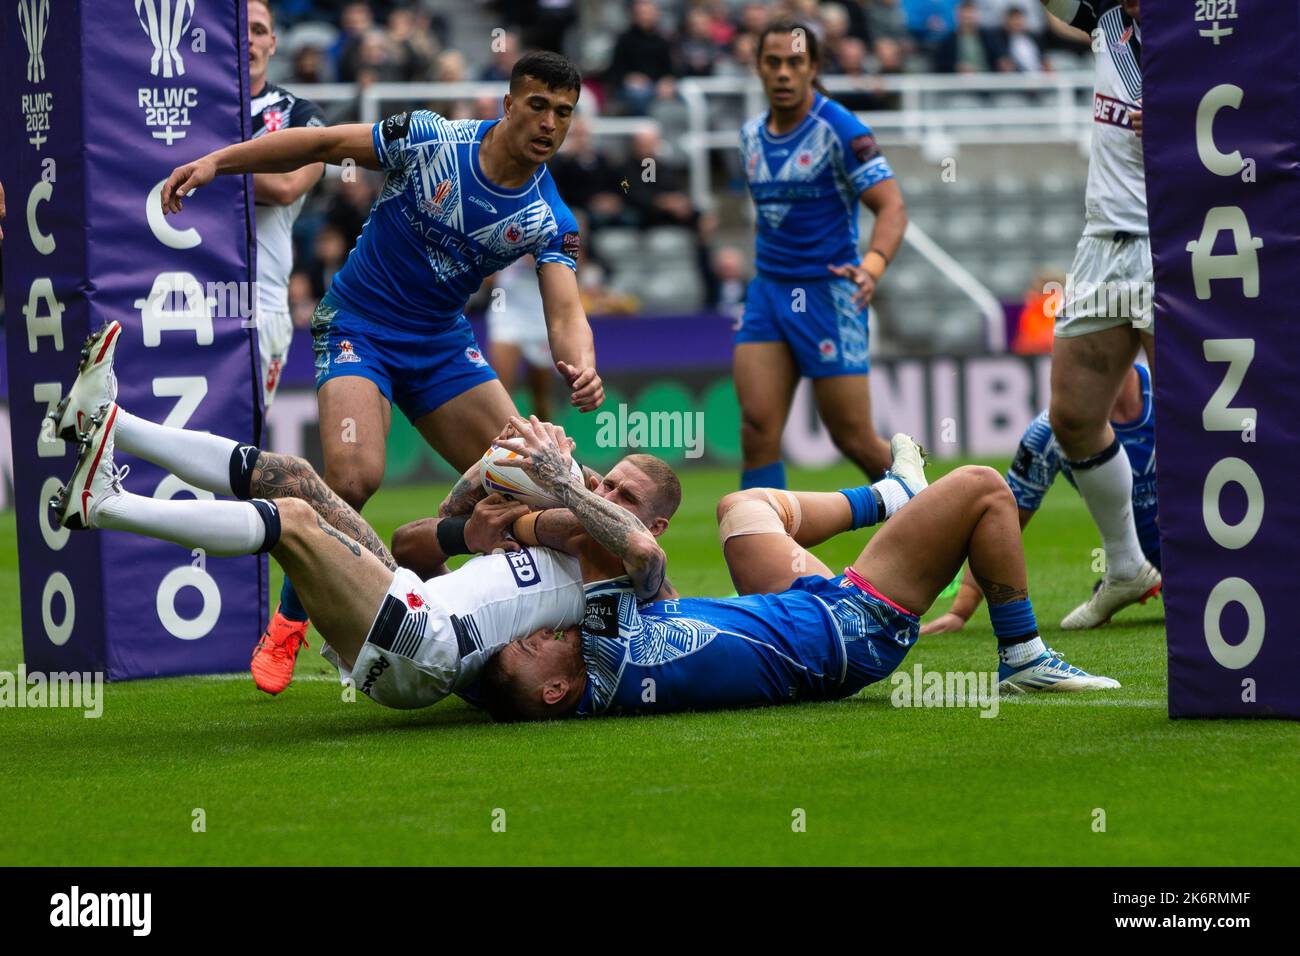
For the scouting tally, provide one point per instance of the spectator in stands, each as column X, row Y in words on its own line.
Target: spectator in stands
column 993, row 14
column 349, row 205
column 329, row 251
column 586, row 178
column 698, row 52
column 642, row 56
column 302, row 303
column 375, row 57
column 931, row 20
column 413, row 49
column 835, row 26
column 753, row 18
column 308, row 66
column 972, row 48
column 1022, row 46
column 849, row 59
column 729, row 281
column 655, row 192
column 505, row 53
column 887, row 21
column 1034, row 331
column 740, row 61
column 721, row 28
column 355, row 22
column 657, row 196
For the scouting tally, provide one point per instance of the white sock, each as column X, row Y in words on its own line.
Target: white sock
column 200, row 458
column 218, row 527
column 1023, row 653
column 892, row 494
column 1107, row 489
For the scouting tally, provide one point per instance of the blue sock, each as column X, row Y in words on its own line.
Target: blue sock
column 1013, row 622
column 768, row 476
column 290, row 606
column 865, row 504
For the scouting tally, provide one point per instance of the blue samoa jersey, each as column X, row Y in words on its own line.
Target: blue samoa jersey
column 439, row 227
column 806, row 187
column 1039, row 459
column 822, row 639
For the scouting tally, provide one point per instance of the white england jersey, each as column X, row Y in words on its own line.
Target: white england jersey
column 1117, row 198
column 494, row 599
column 274, row 109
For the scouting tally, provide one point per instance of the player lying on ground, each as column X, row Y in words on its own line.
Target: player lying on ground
column 410, row 642
column 799, row 633
column 1039, row 460
column 461, row 199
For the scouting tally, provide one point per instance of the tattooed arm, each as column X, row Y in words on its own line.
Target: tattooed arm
column 465, row 494
column 545, row 451
column 287, row 476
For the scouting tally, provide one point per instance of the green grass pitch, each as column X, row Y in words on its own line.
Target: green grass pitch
column 306, row 778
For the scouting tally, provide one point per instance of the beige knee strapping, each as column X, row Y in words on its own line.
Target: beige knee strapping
column 780, row 514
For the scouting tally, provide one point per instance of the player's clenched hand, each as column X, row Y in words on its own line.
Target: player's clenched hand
column 1135, row 117
column 488, row 528
column 545, row 452
column 860, row 277
column 945, row 624
column 185, row 179
column 586, row 386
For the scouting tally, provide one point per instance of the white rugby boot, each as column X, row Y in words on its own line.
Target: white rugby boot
column 96, row 478
column 908, row 466
column 1111, row 596
column 94, row 386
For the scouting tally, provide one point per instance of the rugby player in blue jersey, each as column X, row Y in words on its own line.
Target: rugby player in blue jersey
column 462, row 200
column 809, row 163
column 1039, row 460
column 799, row 632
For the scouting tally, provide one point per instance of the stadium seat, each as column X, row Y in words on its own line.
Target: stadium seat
column 614, row 245
column 666, row 244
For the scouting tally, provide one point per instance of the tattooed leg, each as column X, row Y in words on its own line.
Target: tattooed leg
column 287, row 476
column 969, row 512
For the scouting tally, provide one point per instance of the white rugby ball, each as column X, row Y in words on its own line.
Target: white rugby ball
column 516, row 483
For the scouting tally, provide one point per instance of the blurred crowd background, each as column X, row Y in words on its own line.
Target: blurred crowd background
column 659, row 246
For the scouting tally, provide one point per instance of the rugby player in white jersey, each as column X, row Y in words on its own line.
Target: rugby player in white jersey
column 1106, row 315
column 409, row 642
column 279, row 198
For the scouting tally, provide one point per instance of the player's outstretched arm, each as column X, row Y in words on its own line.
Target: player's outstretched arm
column 284, row 152
column 569, row 334
column 546, row 456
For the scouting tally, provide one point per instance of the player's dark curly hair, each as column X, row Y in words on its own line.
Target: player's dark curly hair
column 552, row 70
column 798, row 27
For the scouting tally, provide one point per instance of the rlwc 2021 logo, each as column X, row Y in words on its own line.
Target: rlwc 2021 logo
column 167, row 109
column 34, row 24
column 34, row 21
column 165, row 22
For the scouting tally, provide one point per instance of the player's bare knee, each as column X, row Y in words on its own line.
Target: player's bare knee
column 355, row 486
column 729, row 501
column 297, row 517
column 1072, row 425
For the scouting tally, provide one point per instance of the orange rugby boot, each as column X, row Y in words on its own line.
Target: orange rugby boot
column 273, row 658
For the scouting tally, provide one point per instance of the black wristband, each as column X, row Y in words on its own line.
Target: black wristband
column 451, row 535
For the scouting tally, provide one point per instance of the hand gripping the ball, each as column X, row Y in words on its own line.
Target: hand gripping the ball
column 546, row 453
